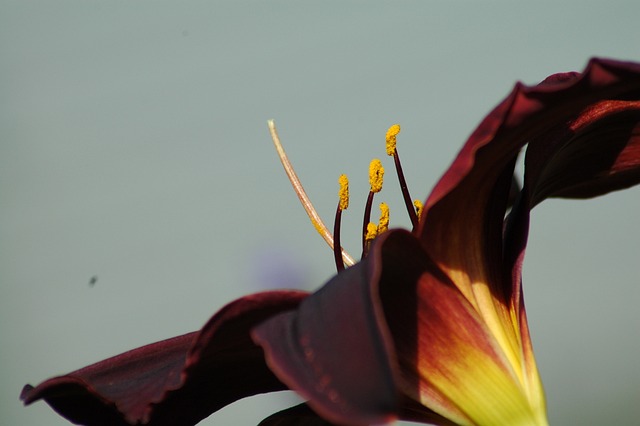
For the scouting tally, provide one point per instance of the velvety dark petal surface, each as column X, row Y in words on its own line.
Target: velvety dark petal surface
column 597, row 152
column 469, row 199
column 178, row 381
column 594, row 152
column 450, row 360
column 335, row 350
column 415, row 411
column 117, row 390
column 462, row 222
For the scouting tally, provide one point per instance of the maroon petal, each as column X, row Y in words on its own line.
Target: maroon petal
column 595, row 152
column 583, row 139
column 117, row 388
column 598, row 151
column 414, row 411
column 451, row 361
column 178, row 381
column 335, row 350
column 589, row 152
column 461, row 225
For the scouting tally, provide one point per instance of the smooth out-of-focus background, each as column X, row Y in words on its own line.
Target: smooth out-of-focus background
column 134, row 149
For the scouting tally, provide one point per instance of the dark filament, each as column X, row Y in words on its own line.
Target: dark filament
column 405, row 192
column 365, row 223
column 337, row 248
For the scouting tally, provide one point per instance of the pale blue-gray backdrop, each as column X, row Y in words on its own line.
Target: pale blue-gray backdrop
column 134, row 148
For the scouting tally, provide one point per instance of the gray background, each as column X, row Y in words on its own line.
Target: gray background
column 134, row 147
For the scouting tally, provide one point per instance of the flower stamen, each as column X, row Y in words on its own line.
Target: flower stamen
column 370, row 234
column 383, row 222
column 343, row 204
column 376, row 178
column 418, row 205
column 392, row 151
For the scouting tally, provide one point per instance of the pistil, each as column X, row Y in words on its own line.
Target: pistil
column 317, row 222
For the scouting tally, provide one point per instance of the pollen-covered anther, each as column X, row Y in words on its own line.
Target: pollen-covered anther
column 383, row 223
column 372, row 232
column 376, row 175
column 343, row 204
column 391, row 139
column 418, row 205
column 343, row 193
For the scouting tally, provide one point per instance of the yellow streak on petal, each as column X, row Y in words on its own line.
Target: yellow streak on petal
column 464, row 373
column 515, row 345
column 477, row 387
column 470, row 277
column 533, row 383
column 497, row 318
column 459, row 248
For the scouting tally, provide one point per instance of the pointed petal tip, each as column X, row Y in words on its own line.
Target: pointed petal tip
column 76, row 401
column 26, row 395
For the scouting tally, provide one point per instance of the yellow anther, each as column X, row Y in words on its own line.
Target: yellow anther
column 383, row 223
column 391, row 139
column 372, row 231
column 418, row 205
column 343, row 193
column 376, row 175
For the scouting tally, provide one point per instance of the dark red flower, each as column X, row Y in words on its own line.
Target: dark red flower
column 430, row 325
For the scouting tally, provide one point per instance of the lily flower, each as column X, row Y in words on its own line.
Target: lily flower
column 430, row 325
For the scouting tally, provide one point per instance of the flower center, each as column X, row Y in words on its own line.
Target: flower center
column 376, row 176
